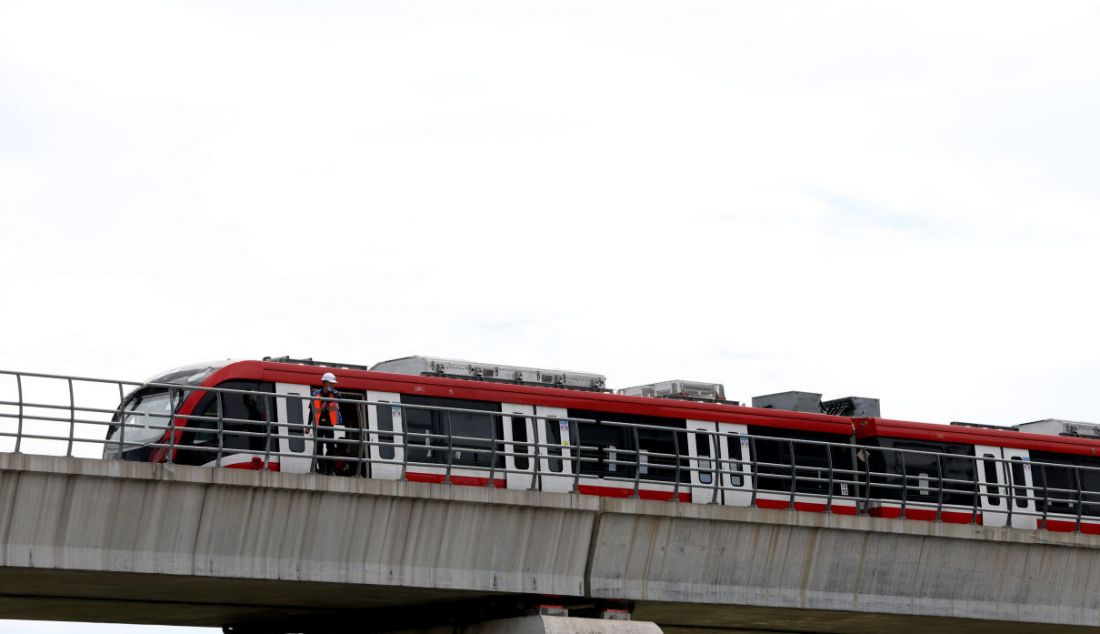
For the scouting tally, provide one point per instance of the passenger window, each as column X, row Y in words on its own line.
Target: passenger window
column 294, row 422
column 734, row 451
column 384, row 412
column 702, row 445
column 553, row 440
column 472, row 433
column 519, row 442
column 1019, row 482
column 994, row 492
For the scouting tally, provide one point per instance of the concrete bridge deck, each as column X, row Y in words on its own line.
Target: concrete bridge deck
column 99, row 540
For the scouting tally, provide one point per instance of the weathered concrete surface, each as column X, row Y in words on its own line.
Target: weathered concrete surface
column 95, row 540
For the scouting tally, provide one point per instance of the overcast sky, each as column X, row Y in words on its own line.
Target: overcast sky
column 881, row 199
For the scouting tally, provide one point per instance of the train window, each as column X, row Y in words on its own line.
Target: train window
column 610, row 450
column 702, row 449
column 294, row 421
column 915, row 464
column 384, row 414
column 735, row 469
column 471, row 433
column 994, row 492
column 520, row 442
column 808, row 468
column 1019, row 483
column 1062, row 481
column 663, row 454
column 553, row 442
column 245, row 422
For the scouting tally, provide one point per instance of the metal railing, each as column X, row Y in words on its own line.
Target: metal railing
column 79, row 416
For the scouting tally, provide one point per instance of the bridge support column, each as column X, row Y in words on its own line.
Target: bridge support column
column 541, row 624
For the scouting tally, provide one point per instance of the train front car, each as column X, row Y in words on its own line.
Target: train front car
column 172, row 418
column 982, row 475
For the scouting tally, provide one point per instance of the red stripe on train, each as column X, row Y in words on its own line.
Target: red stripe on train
column 1069, row 526
column 616, row 492
column 439, row 478
column 927, row 515
column 812, row 507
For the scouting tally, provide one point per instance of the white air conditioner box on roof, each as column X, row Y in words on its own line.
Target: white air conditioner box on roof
column 433, row 366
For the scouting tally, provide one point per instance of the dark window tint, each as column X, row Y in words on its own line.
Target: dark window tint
column 553, row 442
column 994, row 492
column 809, row 465
column 703, row 449
column 520, row 446
column 295, row 421
column 734, row 468
column 912, row 464
column 385, row 413
column 244, row 419
column 462, row 438
column 1063, row 483
column 1019, row 483
column 616, row 451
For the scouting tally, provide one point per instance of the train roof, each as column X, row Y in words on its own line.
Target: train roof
column 469, row 389
column 967, row 435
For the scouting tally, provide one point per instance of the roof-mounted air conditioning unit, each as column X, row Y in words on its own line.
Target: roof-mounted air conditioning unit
column 678, row 389
column 433, row 366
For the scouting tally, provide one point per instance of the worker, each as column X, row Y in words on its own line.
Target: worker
column 324, row 416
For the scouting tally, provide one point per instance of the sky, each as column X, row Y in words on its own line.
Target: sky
column 894, row 200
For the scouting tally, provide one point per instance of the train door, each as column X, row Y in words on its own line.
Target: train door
column 519, row 444
column 292, row 411
column 1022, row 491
column 385, row 420
column 1006, row 488
column 555, row 466
column 736, row 464
column 728, row 443
column 702, row 448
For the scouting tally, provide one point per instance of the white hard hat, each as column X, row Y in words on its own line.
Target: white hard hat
column 328, row 377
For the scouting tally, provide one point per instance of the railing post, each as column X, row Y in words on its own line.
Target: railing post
column 268, row 405
column 72, row 419
column 19, row 429
column 939, row 504
column 716, row 465
column 121, row 422
column 637, row 462
column 794, row 473
column 904, row 485
column 404, row 439
column 492, row 483
column 755, row 465
column 676, row 475
column 450, row 446
column 1046, row 494
column 829, row 458
column 536, row 476
column 221, row 429
column 867, row 486
column 1080, row 498
column 574, row 451
column 171, row 425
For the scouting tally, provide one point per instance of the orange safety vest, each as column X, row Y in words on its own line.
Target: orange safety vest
column 320, row 406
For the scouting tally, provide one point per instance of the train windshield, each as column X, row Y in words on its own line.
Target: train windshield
column 145, row 418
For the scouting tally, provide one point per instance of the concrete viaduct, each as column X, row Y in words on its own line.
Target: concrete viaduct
column 93, row 540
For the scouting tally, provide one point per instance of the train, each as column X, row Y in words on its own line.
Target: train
column 428, row 419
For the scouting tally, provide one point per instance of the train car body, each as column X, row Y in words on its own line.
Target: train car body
column 508, row 435
column 992, row 477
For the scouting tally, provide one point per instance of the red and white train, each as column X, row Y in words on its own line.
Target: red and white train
column 435, row 420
